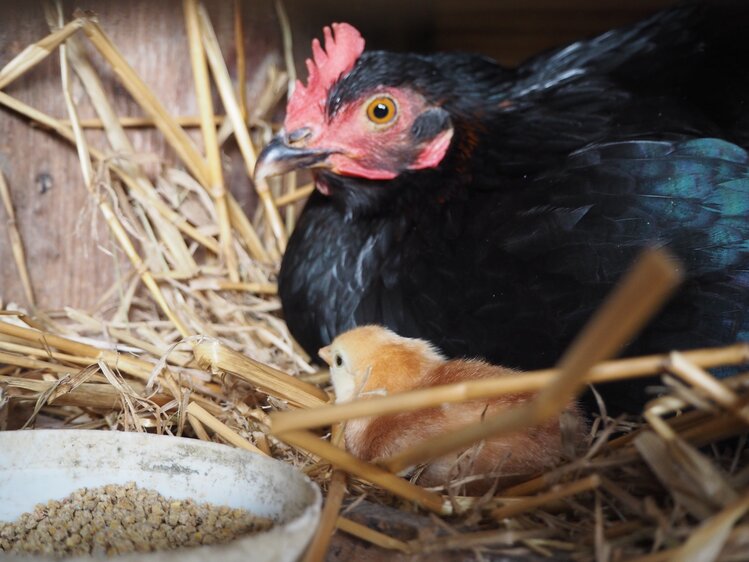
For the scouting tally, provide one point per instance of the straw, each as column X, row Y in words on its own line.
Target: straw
column 198, row 428
column 29, row 363
column 57, row 126
column 371, row 536
column 215, row 172
column 635, row 300
column 112, row 221
column 214, row 284
column 141, row 187
column 693, row 480
column 245, row 229
column 467, row 541
column 131, row 365
column 157, row 350
column 183, row 121
column 173, row 133
column 706, row 543
column 669, row 554
column 557, row 493
column 700, row 378
column 288, row 44
column 88, row 395
column 289, row 180
column 241, row 58
column 175, row 136
column 36, row 53
column 226, row 91
column 243, row 226
column 214, row 356
column 28, row 351
column 318, row 548
column 232, row 437
column 19, row 255
column 295, row 196
column 366, row 471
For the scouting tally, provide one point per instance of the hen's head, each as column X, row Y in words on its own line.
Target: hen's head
column 361, row 114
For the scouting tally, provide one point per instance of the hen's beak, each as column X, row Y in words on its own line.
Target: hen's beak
column 278, row 158
column 326, row 354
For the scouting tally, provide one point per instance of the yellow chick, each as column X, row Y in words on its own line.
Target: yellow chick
column 373, row 360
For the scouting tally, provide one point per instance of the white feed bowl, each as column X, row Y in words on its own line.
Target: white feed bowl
column 40, row 465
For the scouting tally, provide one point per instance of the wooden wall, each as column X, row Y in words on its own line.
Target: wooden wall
column 69, row 253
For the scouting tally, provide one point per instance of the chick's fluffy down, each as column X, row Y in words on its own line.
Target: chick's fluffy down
column 376, row 361
column 512, row 457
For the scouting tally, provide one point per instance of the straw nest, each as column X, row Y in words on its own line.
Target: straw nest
column 191, row 343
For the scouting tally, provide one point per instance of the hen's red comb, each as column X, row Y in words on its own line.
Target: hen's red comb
column 343, row 46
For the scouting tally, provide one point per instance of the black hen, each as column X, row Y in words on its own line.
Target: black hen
column 490, row 210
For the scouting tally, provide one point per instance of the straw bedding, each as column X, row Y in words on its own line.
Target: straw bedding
column 190, row 342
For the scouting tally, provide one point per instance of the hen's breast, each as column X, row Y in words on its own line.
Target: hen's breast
column 329, row 264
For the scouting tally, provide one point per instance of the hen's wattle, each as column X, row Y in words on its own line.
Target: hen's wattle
column 556, row 175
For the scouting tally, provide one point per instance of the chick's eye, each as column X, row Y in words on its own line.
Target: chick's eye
column 381, row 110
column 338, row 360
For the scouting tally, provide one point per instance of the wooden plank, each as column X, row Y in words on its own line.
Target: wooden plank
column 65, row 254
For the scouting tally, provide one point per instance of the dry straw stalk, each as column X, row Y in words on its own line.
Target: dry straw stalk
column 242, row 135
column 297, row 195
column 241, row 58
column 132, row 366
column 468, row 541
column 318, row 548
column 86, row 395
column 290, row 179
column 65, row 132
column 712, row 387
column 559, row 492
column 29, row 363
column 198, row 428
column 141, row 122
column 214, row 356
column 110, row 217
column 373, row 537
column 46, row 353
column 19, row 255
column 634, row 301
column 366, row 471
column 142, row 189
column 34, row 54
column 215, row 284
column 175, row 135
column 205, row 103
column 709, row 539
column 226, row 433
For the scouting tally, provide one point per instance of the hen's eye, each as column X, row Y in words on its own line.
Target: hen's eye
column 338, row 360
column 381, row 110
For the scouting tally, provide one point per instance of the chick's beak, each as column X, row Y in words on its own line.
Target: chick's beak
column 278, row 157
column 327, row 354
